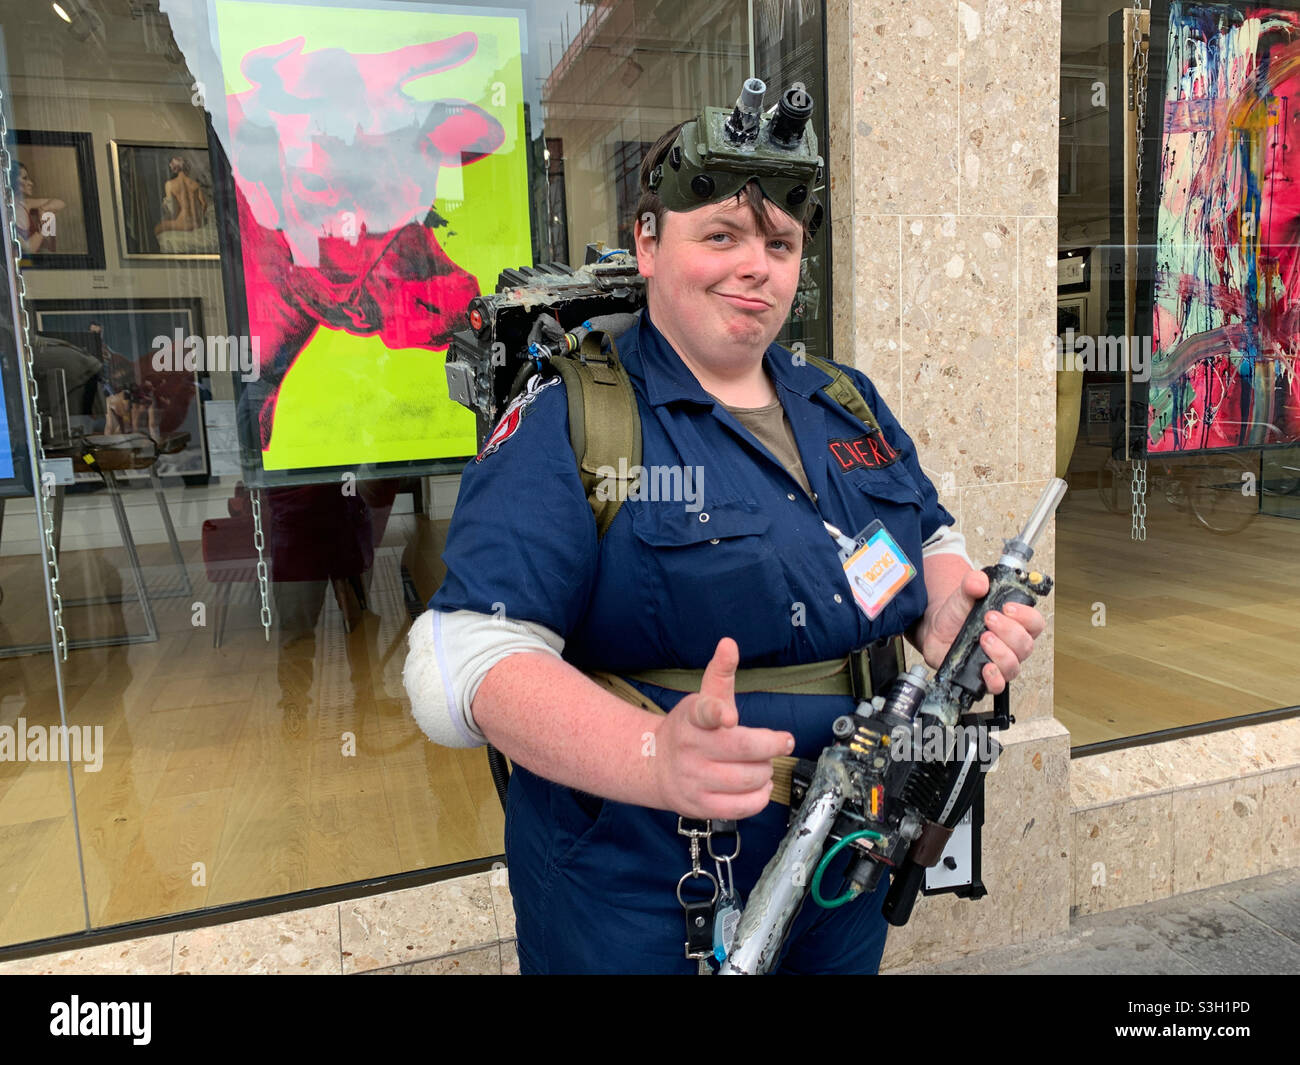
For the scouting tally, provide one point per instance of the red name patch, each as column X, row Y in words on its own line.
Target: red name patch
column 871, row 452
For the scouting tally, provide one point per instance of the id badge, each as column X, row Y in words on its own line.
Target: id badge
column 876, row 568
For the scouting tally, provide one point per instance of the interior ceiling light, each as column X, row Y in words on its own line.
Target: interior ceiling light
column 58, row 10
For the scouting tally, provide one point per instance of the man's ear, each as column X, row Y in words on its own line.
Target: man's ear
column 646, row 244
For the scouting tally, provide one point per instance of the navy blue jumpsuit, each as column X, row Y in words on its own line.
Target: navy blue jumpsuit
column 594, row 880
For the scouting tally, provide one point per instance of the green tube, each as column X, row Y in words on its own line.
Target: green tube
column 853, row 891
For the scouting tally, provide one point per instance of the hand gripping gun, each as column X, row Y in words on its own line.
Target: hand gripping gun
column 885, row 789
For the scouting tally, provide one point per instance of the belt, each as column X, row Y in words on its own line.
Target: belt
column 859, row 674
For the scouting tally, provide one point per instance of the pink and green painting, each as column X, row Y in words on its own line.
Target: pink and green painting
column 1226, row 315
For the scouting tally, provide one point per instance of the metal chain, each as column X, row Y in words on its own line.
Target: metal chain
column 263, row 583
column 1139, row 74
column 1139, row 530
column 1138, row 71
column 44, row 485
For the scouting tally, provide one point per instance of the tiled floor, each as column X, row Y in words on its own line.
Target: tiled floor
column 461, row 926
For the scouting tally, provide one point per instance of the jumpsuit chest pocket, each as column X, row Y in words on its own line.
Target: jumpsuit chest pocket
column 892, row 483
column 714, row 573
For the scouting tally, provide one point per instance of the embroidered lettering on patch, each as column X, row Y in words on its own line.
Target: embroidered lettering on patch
column 514, row 414
column 871, row 452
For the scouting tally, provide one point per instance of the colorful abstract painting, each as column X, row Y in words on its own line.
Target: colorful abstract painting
column 1226, row 319
column 380, row 173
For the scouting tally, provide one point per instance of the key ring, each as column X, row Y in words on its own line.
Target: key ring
column 724, row 857
column 695, row 874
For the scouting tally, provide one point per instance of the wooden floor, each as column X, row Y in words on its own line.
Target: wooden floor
column 227, row 774
column 1198, row 626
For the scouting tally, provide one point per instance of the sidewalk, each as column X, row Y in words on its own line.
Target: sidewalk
column 1247, row 927
column 466, row 926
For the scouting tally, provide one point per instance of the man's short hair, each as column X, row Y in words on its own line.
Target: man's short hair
column 649, row 202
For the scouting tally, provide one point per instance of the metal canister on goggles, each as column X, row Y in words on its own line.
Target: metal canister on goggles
column 715, row 155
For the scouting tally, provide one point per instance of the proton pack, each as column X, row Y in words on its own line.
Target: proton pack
column 551, row 319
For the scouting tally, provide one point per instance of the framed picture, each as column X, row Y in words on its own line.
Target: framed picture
column 1072, row 313
column 1074, row 270
column 164, row 201
column 351, row 247
column 1105, row 402
column 57, row 201
column 1218, row 283
column 135, row 390
column 15, row 466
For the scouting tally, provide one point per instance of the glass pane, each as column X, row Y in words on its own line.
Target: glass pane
column 1176, row 358
column 40, row 882
column 251, row 228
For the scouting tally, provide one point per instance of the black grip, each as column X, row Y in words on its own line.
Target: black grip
column 971, row 676
column 902, row 893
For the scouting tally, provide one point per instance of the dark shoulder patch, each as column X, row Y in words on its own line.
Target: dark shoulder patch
column 514, row 415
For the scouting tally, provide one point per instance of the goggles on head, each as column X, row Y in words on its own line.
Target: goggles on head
column 715, row 155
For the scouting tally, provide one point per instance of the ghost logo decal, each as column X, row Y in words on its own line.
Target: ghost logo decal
column 513, row 416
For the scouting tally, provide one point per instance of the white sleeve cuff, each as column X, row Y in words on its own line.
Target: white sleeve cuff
column 449, row 655
column 946, row 541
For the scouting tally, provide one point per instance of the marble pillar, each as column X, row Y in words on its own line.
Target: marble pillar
column 942, row 163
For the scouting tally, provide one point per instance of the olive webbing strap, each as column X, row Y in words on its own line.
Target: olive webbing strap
column 842, row 391
column 782, row 765
column 604, row 426
column 831, row 677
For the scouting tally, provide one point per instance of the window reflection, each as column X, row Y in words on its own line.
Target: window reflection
column 1176, row 360
column 249, row 228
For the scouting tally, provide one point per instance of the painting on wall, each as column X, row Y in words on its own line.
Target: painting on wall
column 57, row 205
column 377, row 182
column 15, row 475
column 138, row 394
column 1224, row 109
column 165, row 206
column 1072, row 315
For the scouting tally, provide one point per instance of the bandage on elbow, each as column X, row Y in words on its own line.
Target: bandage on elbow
column 449, row 654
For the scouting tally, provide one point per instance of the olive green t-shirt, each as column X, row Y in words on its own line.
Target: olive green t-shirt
column 771, row 428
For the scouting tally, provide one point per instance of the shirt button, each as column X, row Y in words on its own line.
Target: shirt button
column 704, row 516
column 790, row 496
column 839, row 598
column 814, row 497
column 714, row 540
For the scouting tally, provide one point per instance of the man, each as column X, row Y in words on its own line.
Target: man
column 744, row 575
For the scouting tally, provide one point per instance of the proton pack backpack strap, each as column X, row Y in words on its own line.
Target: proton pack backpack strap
column 604, row 425
column 842, row 391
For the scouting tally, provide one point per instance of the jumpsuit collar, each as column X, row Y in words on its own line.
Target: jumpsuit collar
column 668, row 379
